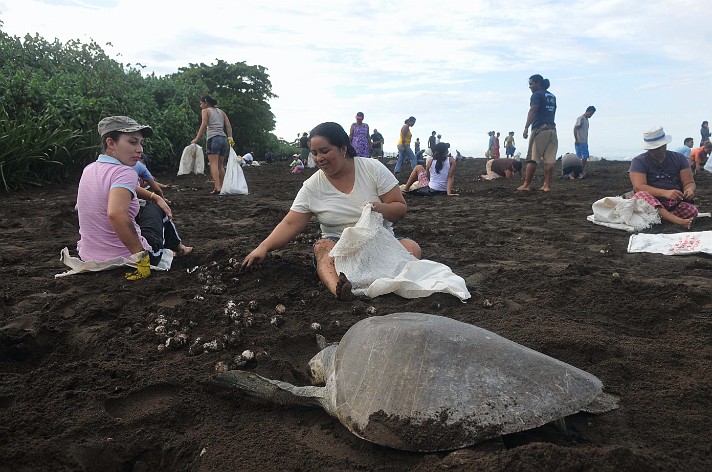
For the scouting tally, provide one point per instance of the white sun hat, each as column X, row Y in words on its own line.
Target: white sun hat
column 655, row 137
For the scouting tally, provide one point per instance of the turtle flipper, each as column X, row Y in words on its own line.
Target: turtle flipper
column 282, row 393
column 603, row 403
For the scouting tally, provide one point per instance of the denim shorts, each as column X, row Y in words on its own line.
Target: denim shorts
column 218, row 145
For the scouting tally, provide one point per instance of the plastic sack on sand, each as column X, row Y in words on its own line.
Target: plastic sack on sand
column 78, row 266
column 192, row 160
column 676, row 244
column 376, row 263
column 310, row 161
column 234, row 183
column 629, row 214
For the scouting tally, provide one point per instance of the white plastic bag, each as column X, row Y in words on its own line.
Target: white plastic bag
column 311, row 163
column 376, row 263
column 675, row 244
column 192, row 160
column 629, row 214
column 234, row 183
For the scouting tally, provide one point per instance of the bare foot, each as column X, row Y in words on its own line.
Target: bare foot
column 343, row 289
column 689, row 224
column 524, row 187
column 183, row 250
column 545, row 189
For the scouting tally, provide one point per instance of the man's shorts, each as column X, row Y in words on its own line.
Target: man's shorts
column 582, row 150
column 510, row 150
column 218, row 145
column 543, row 145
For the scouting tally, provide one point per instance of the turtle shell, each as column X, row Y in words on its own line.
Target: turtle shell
column 422, row 382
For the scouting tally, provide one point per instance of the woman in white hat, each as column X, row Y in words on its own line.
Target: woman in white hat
column 664, row 179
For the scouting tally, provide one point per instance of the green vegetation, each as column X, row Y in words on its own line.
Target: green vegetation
column 53, row 95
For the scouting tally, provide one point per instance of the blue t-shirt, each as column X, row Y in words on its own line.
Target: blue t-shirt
column 666, row 175
column 142, row 171
column 547, row 108
column 684, row 150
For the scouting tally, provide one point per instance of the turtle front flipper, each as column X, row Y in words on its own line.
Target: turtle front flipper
column 603, row 403
column 282, row 393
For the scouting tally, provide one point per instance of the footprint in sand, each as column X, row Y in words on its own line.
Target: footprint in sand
column 150, row 400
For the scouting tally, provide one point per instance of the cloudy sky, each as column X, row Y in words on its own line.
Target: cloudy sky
column 459, row 66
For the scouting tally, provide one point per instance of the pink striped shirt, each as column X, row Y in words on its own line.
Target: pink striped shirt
column 98, row 241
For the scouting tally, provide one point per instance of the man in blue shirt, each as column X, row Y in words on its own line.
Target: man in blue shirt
column 685, row 150
column 544, row 142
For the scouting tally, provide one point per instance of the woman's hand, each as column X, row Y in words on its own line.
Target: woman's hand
column 378, row 207
column 161, row 202
column 257, row 255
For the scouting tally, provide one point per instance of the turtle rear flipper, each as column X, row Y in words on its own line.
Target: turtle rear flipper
column 282, row 393
column 603, row 403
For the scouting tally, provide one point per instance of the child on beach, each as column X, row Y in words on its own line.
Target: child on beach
column 297, row 165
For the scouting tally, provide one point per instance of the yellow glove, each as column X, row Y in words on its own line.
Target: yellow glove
column 231, row 142
column 143, row 266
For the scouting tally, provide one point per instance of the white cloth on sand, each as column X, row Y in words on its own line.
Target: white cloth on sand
column 234, row 182
column 675, row 244
column 78, row 266
column 629, row 214
column 376, row 263
column 192, row 160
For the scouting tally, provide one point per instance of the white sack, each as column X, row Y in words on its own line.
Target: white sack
column 78, row 266
column 234, row 183
column 675, row 244
column 311, row 163
column 708, row 165
column 629, row 214
column 192, row 160
column 376, row 263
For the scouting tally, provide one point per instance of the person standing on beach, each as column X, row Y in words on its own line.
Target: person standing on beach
column 581, row 136
column 404, row 150
column 377, row 144
column 544, row 143
column 214, row 124
column 495, row 147
column 304, row 147
column 490, row 145
column 509, row 144
column 431, row 142
column 360, row 136
column 704, row 132
column 417, row 145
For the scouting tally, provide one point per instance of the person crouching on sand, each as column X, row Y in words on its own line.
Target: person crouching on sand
column 664, row 179
column 502, row 168
column 336, row 195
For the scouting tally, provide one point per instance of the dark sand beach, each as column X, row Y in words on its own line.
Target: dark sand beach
column 83, row 385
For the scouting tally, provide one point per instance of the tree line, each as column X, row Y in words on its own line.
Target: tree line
column 53, row 94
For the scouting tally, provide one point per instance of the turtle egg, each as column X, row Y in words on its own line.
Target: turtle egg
column 280, row 309
column 487, row 303
column 315, row 326
column 277, row 320
column 221, row 367
column 161, row 347
column 371, row 310
column 253, row 305
column 248, row 355
column 160, row 330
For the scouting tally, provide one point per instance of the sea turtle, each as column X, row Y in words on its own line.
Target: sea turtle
column 422, row 382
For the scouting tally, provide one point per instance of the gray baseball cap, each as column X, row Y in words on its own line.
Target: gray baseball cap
column 123, row 124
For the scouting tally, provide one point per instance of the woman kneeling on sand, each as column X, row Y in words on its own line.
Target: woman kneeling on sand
column 110, row 222
column 438, row 183
column 336, row 195
column 664, row 179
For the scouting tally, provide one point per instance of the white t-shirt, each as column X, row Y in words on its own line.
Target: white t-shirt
column 336, row 210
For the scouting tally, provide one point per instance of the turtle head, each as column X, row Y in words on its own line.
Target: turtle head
column 322, row 365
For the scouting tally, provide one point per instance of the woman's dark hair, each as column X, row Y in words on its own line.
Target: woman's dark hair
column 114, row 135
column 440, row 154
column 209, row 100
column 538, row 79
column 411, row 118
column 335, row 134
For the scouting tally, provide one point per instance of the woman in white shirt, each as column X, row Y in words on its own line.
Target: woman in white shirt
column 434, row 179
column 336, row 195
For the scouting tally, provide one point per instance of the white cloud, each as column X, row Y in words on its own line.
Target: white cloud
column 460, row 67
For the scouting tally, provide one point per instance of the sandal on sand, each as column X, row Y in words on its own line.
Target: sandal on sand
column 343, row 289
